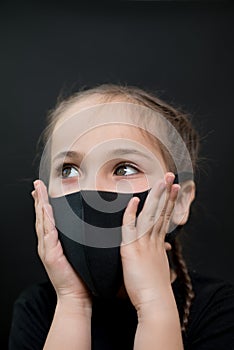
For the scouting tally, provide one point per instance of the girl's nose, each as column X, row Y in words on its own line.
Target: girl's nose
column 95, row 181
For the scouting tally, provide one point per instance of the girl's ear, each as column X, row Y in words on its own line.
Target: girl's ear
column 185, row 197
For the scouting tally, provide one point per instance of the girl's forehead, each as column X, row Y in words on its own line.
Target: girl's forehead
column 123, row 118
column 107, row 125
column 101, row 132
column 105, row 138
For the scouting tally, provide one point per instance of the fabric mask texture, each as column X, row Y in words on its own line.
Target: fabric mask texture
column 100, row 267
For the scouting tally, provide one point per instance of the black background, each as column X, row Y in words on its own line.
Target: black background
column 184, row 51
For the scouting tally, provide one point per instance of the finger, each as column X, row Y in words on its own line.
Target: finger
column 42, row 191
column 146, row 219
column 44, row 200
column 129, row 220
column 152, row 200
column 50, row 231
column 167, row 246
column 166, row 214
column 169, row 210
column 39, row 215
column 169, row 178
column 161, row 209
column 163, row 203
column 39, row 227
column 41, row 198
column 150, row 215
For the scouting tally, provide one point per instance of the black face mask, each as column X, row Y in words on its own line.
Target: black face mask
column 91, row 235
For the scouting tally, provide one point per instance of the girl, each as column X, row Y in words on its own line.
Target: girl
column 115, row 188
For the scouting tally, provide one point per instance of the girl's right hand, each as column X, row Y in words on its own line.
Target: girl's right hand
column 69, row 287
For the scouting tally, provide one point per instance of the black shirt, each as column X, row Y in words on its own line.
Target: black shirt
column 114, row 322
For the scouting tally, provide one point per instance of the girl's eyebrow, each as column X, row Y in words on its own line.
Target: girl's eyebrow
column 129, row 151
column 116, row 152
column 69, row 154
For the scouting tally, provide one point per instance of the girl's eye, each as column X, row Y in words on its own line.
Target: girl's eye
column 125, row 170
column 69, row 171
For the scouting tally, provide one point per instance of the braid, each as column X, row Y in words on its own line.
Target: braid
column 182, row 273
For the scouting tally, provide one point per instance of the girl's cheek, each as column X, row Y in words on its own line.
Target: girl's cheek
column 132, row 185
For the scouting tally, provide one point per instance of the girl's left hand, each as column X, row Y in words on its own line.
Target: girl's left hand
column 143, row 250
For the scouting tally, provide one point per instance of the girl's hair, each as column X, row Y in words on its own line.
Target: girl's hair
column 181, row 122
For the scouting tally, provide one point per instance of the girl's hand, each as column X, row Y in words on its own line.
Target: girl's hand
column 143, row 249
column 69, row 287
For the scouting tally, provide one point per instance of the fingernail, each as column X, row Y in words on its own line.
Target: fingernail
column 176, row 188
column 35, row 184
column 136, row 200
column 170, row 178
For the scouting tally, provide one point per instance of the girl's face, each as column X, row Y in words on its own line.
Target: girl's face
column 97, row 151
column 109, row 157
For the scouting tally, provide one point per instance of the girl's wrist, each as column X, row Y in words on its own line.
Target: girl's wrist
column 161, row 306
column 74, row 307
